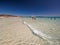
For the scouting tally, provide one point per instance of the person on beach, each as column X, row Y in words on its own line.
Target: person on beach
column 33, row 17
column 53, row 18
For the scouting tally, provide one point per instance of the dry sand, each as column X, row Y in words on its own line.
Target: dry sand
column 14, row 32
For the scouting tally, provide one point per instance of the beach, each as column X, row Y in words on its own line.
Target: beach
column 14, row 32
column 26, row 31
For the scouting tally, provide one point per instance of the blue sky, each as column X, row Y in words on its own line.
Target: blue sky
column 30, row 7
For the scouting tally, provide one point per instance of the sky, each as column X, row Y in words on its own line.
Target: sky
column 30, row 7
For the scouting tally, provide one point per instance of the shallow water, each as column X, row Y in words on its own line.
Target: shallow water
column 47, row 26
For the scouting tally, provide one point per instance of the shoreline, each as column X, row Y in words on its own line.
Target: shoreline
column 41, row 35
column 35, row 31
column 14, row 32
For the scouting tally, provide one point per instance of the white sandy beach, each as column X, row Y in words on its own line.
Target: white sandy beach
column 14, row 32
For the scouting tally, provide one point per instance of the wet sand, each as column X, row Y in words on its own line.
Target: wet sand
column 14, row 32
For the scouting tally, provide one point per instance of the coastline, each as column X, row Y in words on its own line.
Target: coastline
column 37, row 32
column 14, row 32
